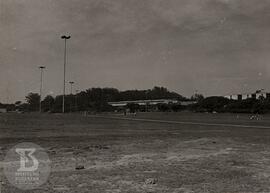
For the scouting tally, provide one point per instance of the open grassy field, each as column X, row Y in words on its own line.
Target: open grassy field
column 149, row 153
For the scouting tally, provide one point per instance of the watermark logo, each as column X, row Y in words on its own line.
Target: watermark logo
column 24, row 159
column 27, row 166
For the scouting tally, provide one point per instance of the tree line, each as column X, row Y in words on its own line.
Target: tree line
column 94, row 99
column 97, row 100
column 220, row 104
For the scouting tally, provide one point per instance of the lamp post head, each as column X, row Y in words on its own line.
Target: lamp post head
column 42, row 67
column 65, row 37
column 71, row 82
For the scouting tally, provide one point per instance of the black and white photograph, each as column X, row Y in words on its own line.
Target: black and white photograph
column 134, row 96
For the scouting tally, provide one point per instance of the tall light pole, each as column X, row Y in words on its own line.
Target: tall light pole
column 41, row 79
column 76, row 100
column 65, row 61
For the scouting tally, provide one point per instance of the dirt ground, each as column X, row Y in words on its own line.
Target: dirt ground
column 175, row 153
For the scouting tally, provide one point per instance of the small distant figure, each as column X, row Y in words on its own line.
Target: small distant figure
column 254, row 117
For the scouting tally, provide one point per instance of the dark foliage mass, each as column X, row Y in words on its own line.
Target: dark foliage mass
column 8, row 107
column 96, row 99
column 32, row 100
column 221, row 104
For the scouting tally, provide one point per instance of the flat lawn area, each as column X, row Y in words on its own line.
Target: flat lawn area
column 152, row 152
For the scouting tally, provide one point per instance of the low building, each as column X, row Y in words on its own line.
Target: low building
column 255, row 95
column 144, row 102
column 148, row 105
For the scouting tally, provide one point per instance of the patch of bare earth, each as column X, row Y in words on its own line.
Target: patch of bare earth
column 105, row 156
column 173, row 166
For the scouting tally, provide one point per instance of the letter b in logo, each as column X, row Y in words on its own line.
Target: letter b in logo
column 28, row 163
column 27, row 166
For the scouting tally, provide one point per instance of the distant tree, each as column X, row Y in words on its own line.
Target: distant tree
column 164, row 93
column 258, row 107
column 96, row 99
column 57, row 106
column 110, row 94
column 101, row 107
column 176, row 107
column 197, row 97
column 242, row 106
column 214, row 103
column 261, row 98
column 133, row 107
column 33, row 100
column 150, row 94
column 164, row 107
column 48, row 103
column 24, row 107
column 18, row 103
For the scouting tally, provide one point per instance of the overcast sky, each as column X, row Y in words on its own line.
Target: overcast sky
column 214, row 46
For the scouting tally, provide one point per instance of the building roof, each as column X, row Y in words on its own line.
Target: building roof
column 144, row 102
